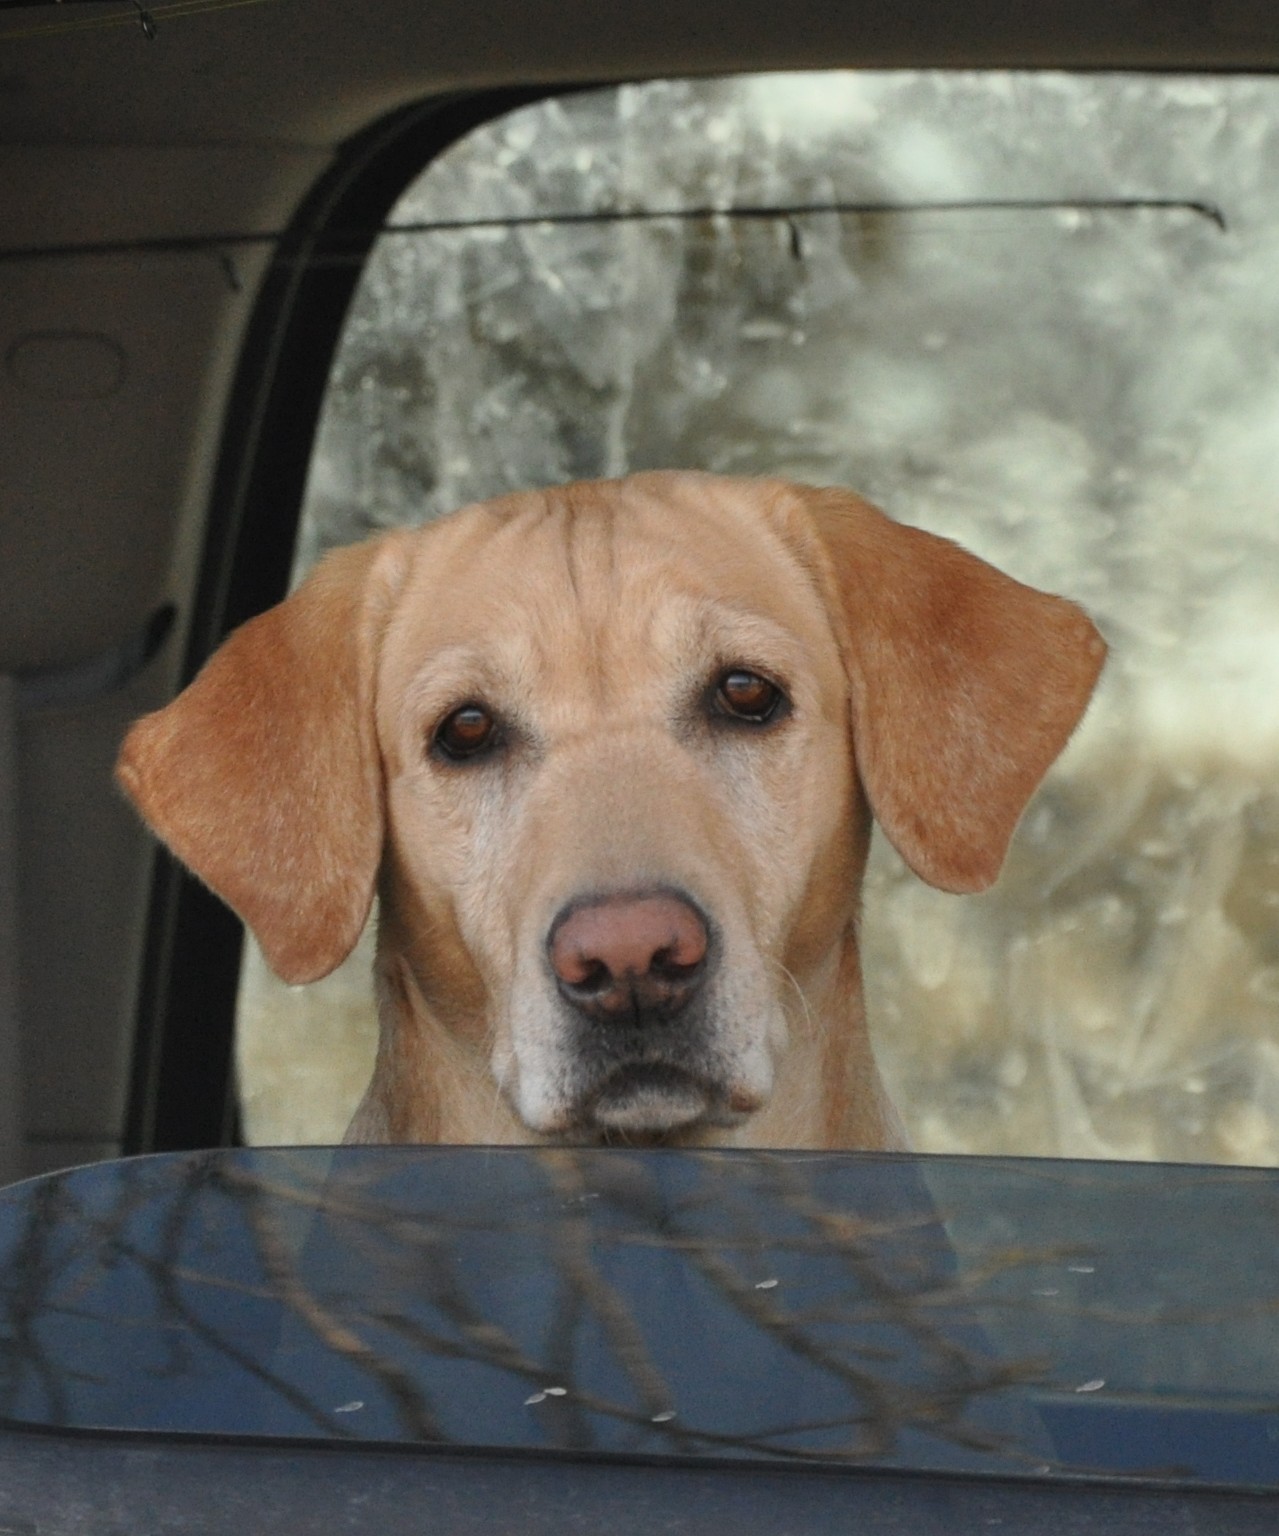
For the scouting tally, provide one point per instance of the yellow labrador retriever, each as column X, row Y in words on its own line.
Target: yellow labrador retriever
column 609, row 755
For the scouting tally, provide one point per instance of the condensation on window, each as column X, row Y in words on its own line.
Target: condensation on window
column 1036, row 313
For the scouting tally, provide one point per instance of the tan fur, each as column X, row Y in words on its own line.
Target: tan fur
column 296, row 775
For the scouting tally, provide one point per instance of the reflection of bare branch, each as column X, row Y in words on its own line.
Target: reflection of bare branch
column 572, row 1424
column 960, row 1370
column 65, row 1248
column 572, row 1238
column 878, row 1418
column 173, row 1305
column 29, row 1276
column 415, row 1414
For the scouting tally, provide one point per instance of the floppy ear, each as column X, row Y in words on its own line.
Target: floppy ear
column 965, row 686
column 264, row 775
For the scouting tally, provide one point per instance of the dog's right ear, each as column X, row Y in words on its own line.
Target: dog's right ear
column 264, row 776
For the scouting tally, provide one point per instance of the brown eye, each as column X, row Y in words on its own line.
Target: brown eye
column 748, row 696
column 467, row 732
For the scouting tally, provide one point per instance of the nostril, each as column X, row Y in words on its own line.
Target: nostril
column 594, row 976
column 676, row 962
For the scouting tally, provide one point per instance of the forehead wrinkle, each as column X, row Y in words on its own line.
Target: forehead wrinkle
column 578, row 616
column 590, row 558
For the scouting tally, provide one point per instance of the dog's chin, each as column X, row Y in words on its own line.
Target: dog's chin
column 643, row 1104
column 648, row 1101
column 652, row 1104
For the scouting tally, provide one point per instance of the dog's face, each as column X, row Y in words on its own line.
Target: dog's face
column 610, row 753
column 620, row 799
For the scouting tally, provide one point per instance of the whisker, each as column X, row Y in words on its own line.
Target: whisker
column 811, row 1018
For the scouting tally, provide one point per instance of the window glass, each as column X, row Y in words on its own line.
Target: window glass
column 1033, row 313
column 1010, row 1319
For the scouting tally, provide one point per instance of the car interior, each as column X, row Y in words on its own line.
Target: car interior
column 276, row 275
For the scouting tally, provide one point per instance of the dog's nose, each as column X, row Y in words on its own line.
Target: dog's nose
column 629, row 958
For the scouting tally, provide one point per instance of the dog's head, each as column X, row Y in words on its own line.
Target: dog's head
column 608, row 750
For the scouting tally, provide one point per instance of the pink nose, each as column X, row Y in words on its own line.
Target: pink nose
column 629, row 958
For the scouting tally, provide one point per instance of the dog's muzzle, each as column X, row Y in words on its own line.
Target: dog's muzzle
column 633, row 969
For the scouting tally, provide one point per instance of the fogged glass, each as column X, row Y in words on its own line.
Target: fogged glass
column 1033, row 313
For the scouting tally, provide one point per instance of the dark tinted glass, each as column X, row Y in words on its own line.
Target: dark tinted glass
column 1011, row 1317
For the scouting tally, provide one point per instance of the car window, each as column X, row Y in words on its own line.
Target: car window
column 1033, row 313
column 1012, row 1318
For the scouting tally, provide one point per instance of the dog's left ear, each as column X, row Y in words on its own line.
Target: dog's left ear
column 965, row 685
column 264, row 775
